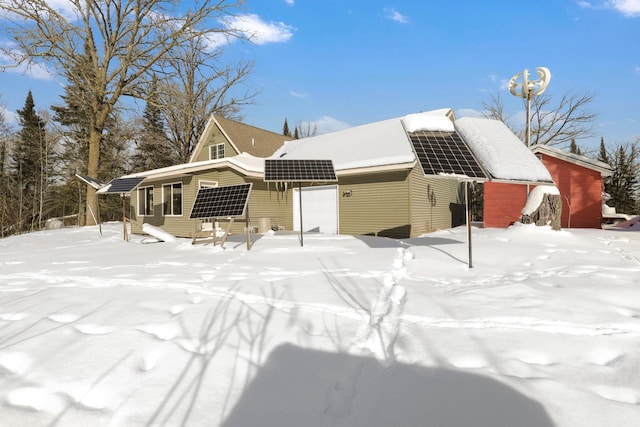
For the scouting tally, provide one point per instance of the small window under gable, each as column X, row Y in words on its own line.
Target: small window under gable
column 216, row 151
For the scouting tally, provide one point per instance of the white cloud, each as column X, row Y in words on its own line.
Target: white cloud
column 394, row 15
column 289, row 2
column 585, row 4
column 297, row 94
column 468, row 112
column 34, row 70
column 626, row 7
column 261, row 32
column 326, row 124
column 637, row 68
column 10, row 117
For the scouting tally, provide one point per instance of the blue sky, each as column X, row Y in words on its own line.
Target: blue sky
column 341, row 63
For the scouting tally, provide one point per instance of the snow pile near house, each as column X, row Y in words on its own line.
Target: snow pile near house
column 345, row 331
column 535, row 197
column 435, row 120
column 501, row 153
column 632, row 224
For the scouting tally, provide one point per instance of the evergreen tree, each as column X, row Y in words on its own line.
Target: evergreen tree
column 285, row 128
column 623, row 185
column 31, row 166
column 154, row 150
column 603, row 156
column 574, row 148
column 296, row 134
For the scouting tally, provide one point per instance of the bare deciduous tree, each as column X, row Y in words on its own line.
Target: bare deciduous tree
column 123, row 39
column 551, row 124
column 197, row 84
column 306, row 129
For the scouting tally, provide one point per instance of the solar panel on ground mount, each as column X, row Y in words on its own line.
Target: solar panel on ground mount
column 95, row 183
column 220, row 202
column 121, row 185
column 290, row 170
column 445, row 153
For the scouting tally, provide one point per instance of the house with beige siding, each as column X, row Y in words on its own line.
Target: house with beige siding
column 381, row 188
column 228, row 152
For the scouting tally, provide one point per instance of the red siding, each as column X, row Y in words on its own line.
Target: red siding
column 503, row 203
column 581, row 192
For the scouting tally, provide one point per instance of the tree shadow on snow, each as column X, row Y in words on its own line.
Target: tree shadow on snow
column 302, row 387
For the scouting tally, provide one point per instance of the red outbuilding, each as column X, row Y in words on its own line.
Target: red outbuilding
column 579, row 179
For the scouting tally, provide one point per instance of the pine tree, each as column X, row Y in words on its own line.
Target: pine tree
column 624, row 184
column 285, row 128
column 296, row 134
column 154, row 149
column 603, row 156
column 574, row 148
column 31, row 166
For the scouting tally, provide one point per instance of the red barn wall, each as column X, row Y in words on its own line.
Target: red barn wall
column 580, row 190
column 503, row 203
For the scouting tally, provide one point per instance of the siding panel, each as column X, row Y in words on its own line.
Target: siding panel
column 378, row 205
column 436, row 203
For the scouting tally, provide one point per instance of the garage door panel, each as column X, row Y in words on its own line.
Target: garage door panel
column 319, row 209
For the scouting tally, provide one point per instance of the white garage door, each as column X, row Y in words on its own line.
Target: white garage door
column 319, row 209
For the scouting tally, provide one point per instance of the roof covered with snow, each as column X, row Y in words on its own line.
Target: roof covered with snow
column 501, row 152
column 244, row 162
column 381, row 143
column 577, row 159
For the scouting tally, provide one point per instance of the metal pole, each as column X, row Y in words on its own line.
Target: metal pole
column 124, row 219
column 301, row 228
column 528, row 136
column 469, row 241
column 529, row 95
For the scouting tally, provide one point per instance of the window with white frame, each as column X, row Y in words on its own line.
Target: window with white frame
column 216, row 151
column 145, row 201
column 172, row 199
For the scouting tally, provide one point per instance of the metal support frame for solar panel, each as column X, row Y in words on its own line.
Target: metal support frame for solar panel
column 124, row 187
column 97, row 184
column 299, row 170
column 446, row 155
column 222, row 203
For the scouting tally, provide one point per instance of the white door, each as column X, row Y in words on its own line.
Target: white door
column 319, row 209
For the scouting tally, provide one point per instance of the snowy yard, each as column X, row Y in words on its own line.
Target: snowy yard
column 346, row 331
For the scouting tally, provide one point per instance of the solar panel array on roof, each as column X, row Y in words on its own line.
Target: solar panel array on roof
column 121, row 185
column 219, row 202
column 290, row 170
column 445, row 153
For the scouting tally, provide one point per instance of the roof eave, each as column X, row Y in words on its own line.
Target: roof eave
column 521, row 181
column 375, row 169
column 604, row 171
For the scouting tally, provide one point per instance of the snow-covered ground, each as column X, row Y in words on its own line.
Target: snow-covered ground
column 345, row 331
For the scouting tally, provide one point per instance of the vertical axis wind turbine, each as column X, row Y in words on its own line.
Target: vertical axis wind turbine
column 528, row 89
